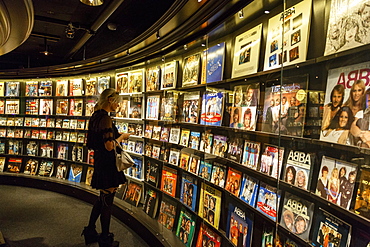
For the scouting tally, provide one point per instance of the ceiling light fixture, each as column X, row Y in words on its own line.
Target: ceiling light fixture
column 157, row 35
column 46, row 51
column 241, row 14
column 92, row 2
column 70, row 31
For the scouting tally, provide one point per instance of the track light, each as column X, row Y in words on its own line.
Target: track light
column 157, row 35
column 92, row 2
column 241, row 14
column 70, row 31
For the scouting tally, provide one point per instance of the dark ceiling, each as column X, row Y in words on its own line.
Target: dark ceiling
column 131, row 18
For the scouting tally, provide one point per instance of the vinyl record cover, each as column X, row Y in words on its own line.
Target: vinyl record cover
column 207, row 237
column 133, row 193
column 12, row 106
column 46, row 88
column 239, row 226
column 215, row 63
column 268, row 200
column 103, row 83
column 186, row 227
column 233, row 182
column 219, row 145
column 246, row 52
column 188, row 192
column 31, row 167
column 76, row 87
column 14, row 165
column 61, row 88
column 194, row 162
column 46, row 107
column 2, row 164
column 169, row 75
column 76, row 107
column 32, row 88
column 165, row 134
column 168, row 110
column 210, row 205
column 336, row 181
column 194, row 140
column 218, row 176
column 191, row 69
column 206, row 142
column 62, row 107
column 47, row 149
column 91, row 87
column 122, row 82
column 61, row 171
column 169, row 181
column 184, row 160
column 151, row 203
column 184, row 138
column 272, row 160
column 235, row 149
column 2, row 89
column 190, row 107
column 152, row 173
column 156, row 132
column 152, row 107
column 249, row 190
column 32, row 106
column 89, row 174
column 153, row 78
column 12, row 88
column 148, row 131
column 362, row 206
column 251, row 154
column 175, row 135
column 135, row 81
column 135, row 110
column 174, row 156
column 205, row 170
column 167, row 213
column 297, row 215
column 212, row 108
column 156, row 151
column 75, row 173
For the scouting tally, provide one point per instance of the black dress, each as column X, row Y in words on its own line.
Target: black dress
column 101, row 130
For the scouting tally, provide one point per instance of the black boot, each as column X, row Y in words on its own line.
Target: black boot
column 107, row 241
column 90, row 235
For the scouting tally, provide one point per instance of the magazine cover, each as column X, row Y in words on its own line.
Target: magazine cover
column 297, row 215
column 167, row 213
column 249, row 190
column 184, row 160
column 246, row 52
column 152, row 107
column 90, row 88
column 288, row 116
column 190, row 107
column 212, row 108
column 169, row 107
column 135, row 81
column 32, row 88
column 215, row 63
column 169, row 75
column 235, row 149
column 175, row 135
column 76, row 87
column 194, row 162
column 151, row 203
column 329, row 230
column 186, row 227
column 298, row 169
column 218, row 176
column 135, row 110
column 205, row 170
column 133, row 193
column 14, row 165
column 122, row 82
column 295, row 29
column 336, row 181
column 153, row 78
column 239, row 226
column 152, row 173
column 61, row 88
column 188, row 192
column 210, row 205
column 184, row 139
column 62, row 107
column 12, row 106
column 348, row 26
column 31, row 167
column 272, row 161
column 206, row 142
column 46, row 88
column 103, row 83
column 75, row 173
column 32, row 106
column 46, row 107
column 194, row 140
column 12, row 88
column 268, row 200
column 169, row 181
column 219, row 145
column 233, row 182
column 191, row 69
column 61, row 171
column 362, row 206
column 251, row 153
column 207, row 237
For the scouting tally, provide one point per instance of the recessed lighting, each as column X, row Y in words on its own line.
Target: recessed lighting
column 267, row 12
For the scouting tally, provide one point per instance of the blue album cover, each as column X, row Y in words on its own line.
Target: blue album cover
column 136, row 170
column 249, row 190
column 194, row 140
column 205, row 170
column 212, row 108
column 188, row 194
column 239, row 226
column 268, row 200
column 215, row 62
column 75, row 173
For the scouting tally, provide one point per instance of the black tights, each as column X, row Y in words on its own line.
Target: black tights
column 102, row 208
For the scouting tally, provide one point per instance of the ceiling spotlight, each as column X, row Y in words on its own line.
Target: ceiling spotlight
column 241, row 14
column 92, row 2
column 128, row 52
column 267, row 12
column 70, row 31
column 157, row 35
column 46, row 51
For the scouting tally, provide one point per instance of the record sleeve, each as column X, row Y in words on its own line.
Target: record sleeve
column 268, row 200
column 122, row 82
column 133, row 193
column 191, row 69
column 75, row 173
column 168, row 110
column 169, row 181
column 336, row 181
column 151, row 203
column 251, row 154
column 91, row 86
column 89, row 174
column 46, row 107
column 32, row 88
column 362, row 205
column 239, row 226
column 165, row 133
column 14, row 165
column 31, row 167
column 190, row 107
column 249, row 190
column 135, row 110
column 61, row 88
column 153, row 78
column 175, row 135
column 205, row 170
column 152, row 107
column 12, row 88
column 184, row 139
column 156, row 132
column 210, row 205
column 207, row 237
column 46, row 88
column 272, row 161
column 76, row 87
column 212, row 108
column 2, row 89
column 194, row 162
column 194, row 140
column 169, row 75
column 219, row 145
column 12, row 106
column 174, row 156
column 62, row 107
column 156, row 151
column 218, row 176
column 235, row 149
column 233, row 182
column 135, row 81
column 167, row 213
column 206, row 142
column 61, row 171
column 297, row 215
column 186, row 227
column 215, row 63
column 2, row 164
column 103, row 83
column 152, row 173
column 148, row 131
column 188, row 192
column 184, row 160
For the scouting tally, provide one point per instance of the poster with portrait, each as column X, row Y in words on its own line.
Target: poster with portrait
column 287, row 36
column 284, row 109
column 348, row 26
column 246, row 52
column 346, row 112
column 336, row 181
column 297, row 215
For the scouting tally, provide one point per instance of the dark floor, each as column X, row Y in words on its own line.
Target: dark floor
column 39, row 218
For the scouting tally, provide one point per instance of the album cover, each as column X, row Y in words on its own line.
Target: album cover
column 156, row 132
column 2, row 106
column 59, row 122
column 336, row 181
column 46, row 107
column 2, row 146
column 194, row 162
column 210, row 205
column 2, row 164
column 249, row 190
column 135, row 81
column 156, row 151
column 205, row 170
column 167, row 213
column 61, row 88
column 246, row 52
column 194, row 140
column 89, row 174
column 150, row 203
column 218, row 176
column 168, row 110
column 131, row 146
column 46, row 88
column 65, row 123
column 165, row 133
column 298, row 169
column 153, row 78
column 61, row 171
column 62, row 151
column 186, row 227
column 15, row 147
column 46, row 149
column 65, row 136
column 32, row 88
column 219, row 145
column 138, row 147
column 268, row 200
column 272, row 161
column 121, row 191
column 362, row 206
column 122, row 82
column 329, row 230
column 169, row 181
column 184, row 139
column 50, row 122
column 206, row 142
column 2, row 132
column 184, row 160
column 136, row 171
column 77, row 153
column 122, row 109
column 35, row 122
column 251, row 153
column 90, row 157
column 62, row 107
column 12, row 106
column 190, row 107
column 46, row 168
column 239, row 226
column 169, row 75
column 135, row 110
column 188, row 192
column 75, row 107
column 14, row 165
column 12, row 88
column 214, row 67
column 148, row 131
column 76, row 87
column 89, row 107
column 31, row 167
column 175, row 135
column 207, row 237
column 133, row 193
column 233, row 182
column 152, row 107
column 297, row 215
column 10, row 133
column 2, row 89
column 91, row 86
column 103, row 83
column 212, row 108
column 191, row 69
column 235, row 149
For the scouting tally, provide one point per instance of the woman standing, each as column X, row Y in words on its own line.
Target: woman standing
column 102, row 135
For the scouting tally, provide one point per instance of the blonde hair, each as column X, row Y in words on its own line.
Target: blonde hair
column 105, row 96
